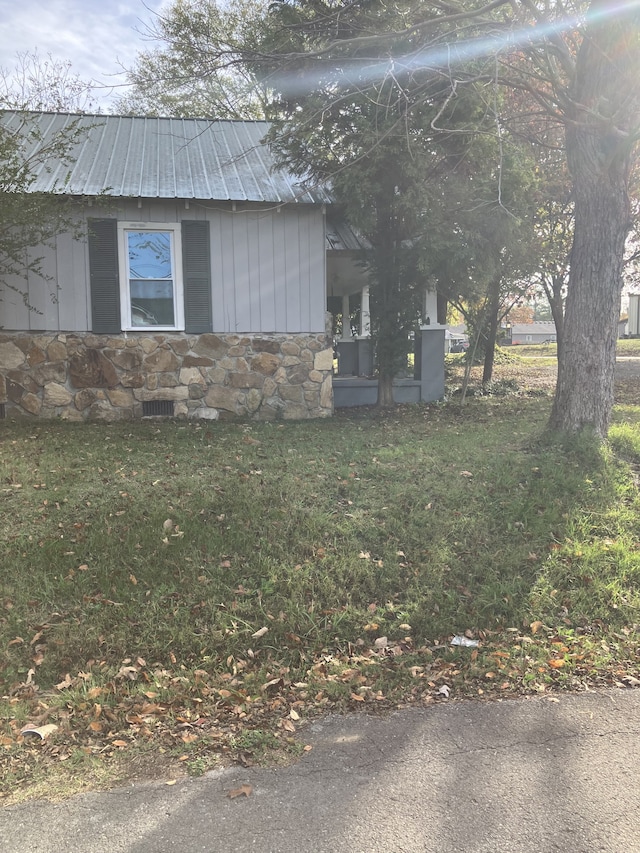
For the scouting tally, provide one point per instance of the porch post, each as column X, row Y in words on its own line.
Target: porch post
column 429, row 362
column 346, row 318
column 365, row 314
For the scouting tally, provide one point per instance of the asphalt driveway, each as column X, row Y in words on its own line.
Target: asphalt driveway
column 544, row 774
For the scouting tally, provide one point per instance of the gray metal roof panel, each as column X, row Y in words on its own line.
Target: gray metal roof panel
column 341, row 236
column 147, row 157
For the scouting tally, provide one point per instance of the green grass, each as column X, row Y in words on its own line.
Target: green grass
column 142, row 563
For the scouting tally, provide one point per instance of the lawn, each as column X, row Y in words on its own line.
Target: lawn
column 184, row 595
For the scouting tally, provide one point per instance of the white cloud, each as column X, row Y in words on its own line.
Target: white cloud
column 99, row 37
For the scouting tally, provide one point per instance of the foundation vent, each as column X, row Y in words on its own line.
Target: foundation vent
column 157, row 408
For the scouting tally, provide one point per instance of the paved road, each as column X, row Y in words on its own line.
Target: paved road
column 509, row 777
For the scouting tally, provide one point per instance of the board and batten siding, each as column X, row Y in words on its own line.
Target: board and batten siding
column 268, row 270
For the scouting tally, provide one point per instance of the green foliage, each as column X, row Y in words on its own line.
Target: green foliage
column 29, row 219
column 195, row 71
column 396, row 148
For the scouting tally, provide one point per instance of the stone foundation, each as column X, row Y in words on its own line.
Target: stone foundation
column 82, row 377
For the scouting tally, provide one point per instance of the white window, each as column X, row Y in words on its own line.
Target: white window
column 150, row 276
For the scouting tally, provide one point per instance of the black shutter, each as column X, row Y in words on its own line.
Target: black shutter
column 196, row 269
column 105, row 286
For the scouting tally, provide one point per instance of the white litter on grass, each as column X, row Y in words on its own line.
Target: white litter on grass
column 41, row 731
column 460, row 640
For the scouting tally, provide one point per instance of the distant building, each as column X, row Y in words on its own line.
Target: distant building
column 530, row 333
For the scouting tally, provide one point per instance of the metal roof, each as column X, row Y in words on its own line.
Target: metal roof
column 539, row 327
column 137, row 157
column 342, row 237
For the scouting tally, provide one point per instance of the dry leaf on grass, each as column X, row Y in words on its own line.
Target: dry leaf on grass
column 242, row 791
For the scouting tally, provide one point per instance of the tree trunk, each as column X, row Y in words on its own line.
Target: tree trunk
column 493, row 310
column 599, row 154
column 554, row 296
column 385, row 388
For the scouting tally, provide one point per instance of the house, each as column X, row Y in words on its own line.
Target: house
column 539, row 332
column 623, row 326
column 197, row 288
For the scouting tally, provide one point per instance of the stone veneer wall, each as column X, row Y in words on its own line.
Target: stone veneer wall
column 99, row 377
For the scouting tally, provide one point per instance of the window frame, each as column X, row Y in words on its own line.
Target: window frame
column 175, row 230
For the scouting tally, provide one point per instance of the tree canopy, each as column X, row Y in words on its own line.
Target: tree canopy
column 186, row 76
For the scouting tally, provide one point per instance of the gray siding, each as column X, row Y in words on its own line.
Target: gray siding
column 268, row 270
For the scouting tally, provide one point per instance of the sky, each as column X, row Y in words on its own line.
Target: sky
column 98, row 37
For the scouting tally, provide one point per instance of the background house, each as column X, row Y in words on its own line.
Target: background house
column 531, row 333
column 197, row 288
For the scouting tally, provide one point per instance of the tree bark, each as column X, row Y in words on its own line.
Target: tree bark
column 599, row 131
column 491, row 326
column 385, row 388
column 553, row 292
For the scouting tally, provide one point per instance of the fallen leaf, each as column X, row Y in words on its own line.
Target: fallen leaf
column 171, row 782
column 557, row 663
column 535, row 626
column 242, row 791
column 189, row 737
column 294, row 714
column 356, row 697
column 259, row 633
column 444, row 691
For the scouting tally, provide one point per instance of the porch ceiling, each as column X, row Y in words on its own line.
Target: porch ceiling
column 345, row 275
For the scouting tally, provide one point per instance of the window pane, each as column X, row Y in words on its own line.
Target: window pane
column 151, row 303
column 151, row 284
column 149, row 254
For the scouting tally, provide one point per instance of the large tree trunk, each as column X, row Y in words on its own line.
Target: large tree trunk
column 599, row 153
column 385, row 388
